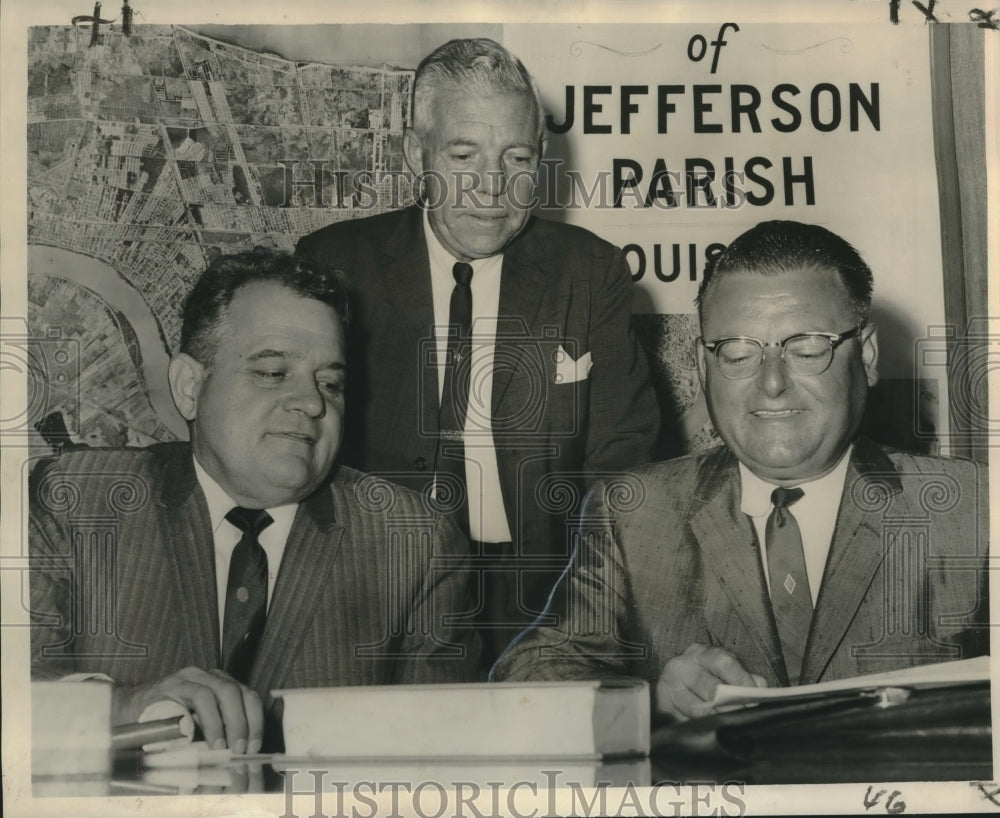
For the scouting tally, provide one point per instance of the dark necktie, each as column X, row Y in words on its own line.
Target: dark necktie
column 246, row 594
column 451, row 486
column 786, row 568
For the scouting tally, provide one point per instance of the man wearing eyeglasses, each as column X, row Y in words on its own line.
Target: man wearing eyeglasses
column 798, row 552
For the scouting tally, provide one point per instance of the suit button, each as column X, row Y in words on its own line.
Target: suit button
column 420, row 464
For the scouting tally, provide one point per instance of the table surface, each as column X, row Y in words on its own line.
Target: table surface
column 934, row 736
column 128, row 775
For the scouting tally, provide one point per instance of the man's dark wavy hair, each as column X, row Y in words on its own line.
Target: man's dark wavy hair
column 206, row 305
column 776, row 247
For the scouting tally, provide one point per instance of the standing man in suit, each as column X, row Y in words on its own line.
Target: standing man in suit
column 499, row 371
column 795, row 553
column 210, row 573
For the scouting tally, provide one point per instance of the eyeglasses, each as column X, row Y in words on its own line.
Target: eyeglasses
column 805, row 353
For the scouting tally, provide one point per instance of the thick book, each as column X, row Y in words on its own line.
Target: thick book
column 589, row 719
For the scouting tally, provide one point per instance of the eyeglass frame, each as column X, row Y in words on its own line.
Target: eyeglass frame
column 835, row 339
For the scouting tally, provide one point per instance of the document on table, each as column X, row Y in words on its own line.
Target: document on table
column 962, row 671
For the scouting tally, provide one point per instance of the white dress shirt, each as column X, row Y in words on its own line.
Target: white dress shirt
column 487, row 518
column 815, row 513
column 226, row 536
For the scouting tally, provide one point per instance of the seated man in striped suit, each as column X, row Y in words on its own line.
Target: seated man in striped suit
column 210, row 573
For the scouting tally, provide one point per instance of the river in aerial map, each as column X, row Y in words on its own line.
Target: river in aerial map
column 103, row 280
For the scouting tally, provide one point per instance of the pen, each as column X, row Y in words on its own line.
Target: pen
column 128, row 736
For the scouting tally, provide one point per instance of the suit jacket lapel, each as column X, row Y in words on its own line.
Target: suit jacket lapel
column 312, row 547
column 406, row 273
column 191, row 547
column 726, row 538
column 408, row 298
column 856, row 553
column 523, row 284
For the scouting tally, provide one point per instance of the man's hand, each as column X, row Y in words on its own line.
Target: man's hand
column 230, row 714
column 687, row 683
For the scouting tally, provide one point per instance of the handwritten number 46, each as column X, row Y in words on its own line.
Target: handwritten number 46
column 892, row 806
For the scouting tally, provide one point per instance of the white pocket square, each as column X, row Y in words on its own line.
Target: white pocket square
column 570, row 371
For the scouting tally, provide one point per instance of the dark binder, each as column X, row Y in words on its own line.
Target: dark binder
column 941, row 733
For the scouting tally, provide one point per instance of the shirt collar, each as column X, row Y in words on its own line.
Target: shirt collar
column 220, row 503
column 755, row 496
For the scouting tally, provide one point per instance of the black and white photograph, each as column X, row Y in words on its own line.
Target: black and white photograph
column 498, row 409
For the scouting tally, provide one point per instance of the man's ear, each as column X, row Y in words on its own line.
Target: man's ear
column 413, row 151
column 185, row 375
column 869, row 353
column 699, row 357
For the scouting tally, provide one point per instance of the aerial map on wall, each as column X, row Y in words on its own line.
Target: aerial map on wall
column 147, row 155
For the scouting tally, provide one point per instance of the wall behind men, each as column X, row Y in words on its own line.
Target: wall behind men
column 152, row 152
column 684, row 136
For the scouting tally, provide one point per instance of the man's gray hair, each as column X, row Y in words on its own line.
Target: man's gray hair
column 478, row 66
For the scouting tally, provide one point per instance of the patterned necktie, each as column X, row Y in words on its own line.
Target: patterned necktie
column 786, row 568
column 246, row 594
column 451, row 486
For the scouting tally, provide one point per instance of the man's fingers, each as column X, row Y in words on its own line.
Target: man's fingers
column 685, row 686
column 229, row 713
column 254, row 710
column 232, row 697
column 725, row 667
column 202, row 701
column 692, row 702
column 689, row 681
column 678, row 700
